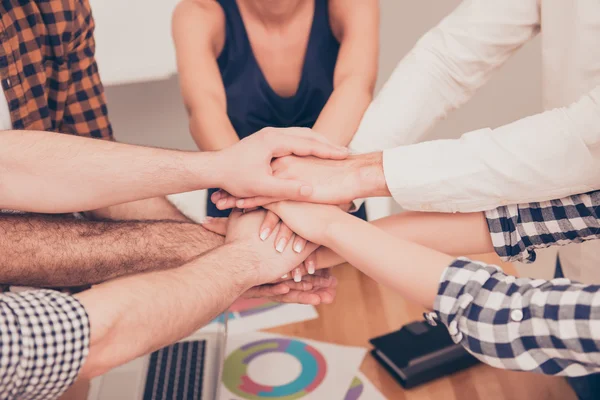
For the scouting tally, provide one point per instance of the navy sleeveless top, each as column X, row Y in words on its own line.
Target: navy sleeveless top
column 251, row 102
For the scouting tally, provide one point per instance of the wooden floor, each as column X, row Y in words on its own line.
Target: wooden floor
column 363, row 309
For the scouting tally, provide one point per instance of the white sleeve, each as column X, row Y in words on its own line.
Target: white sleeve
column 444, row 69
column 542, row 157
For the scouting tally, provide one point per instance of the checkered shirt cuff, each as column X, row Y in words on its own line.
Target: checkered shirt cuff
column 551, row 327
column 45, row 340
column 517, row 230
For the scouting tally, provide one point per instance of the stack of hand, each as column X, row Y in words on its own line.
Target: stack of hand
column 321, row 173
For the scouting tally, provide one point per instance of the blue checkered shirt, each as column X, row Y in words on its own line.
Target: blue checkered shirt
column 551, row 327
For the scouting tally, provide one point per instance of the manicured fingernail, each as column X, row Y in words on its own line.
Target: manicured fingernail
column 297, row 276
column 298, row 247
column 310, row 267
column 221, row 203
column 281, row 245
column 285, row 276
column 305, row 190
column 265, row 234
column 216, row 196
column 206, row 220
column 239, row 203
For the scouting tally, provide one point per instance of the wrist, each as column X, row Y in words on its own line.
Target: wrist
column 206, row 169
column 371, row 178
column 244, row 269
column 338, row 220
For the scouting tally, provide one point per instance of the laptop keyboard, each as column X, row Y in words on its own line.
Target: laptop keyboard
column 176, row 372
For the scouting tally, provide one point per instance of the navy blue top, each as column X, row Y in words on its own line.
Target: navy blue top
column 251, row 102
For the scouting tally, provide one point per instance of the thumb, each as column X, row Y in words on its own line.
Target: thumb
column 215, row 225
column 288, row 189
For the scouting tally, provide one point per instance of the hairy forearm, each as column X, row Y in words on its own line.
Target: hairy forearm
column 124, row 313
column 56, row 251
column 342, row 114
column 454, row 234
column 156, row 208
column 53, row 173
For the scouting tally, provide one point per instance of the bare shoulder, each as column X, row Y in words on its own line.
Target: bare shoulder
column 351, row 14
column 199, row 19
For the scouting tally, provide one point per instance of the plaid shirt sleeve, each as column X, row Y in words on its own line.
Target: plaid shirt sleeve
column 45, row 337
column 551, row 327
column 86, row 113
column 518, row 230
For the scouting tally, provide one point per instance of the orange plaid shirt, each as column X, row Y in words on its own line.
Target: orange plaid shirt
column 47, row 67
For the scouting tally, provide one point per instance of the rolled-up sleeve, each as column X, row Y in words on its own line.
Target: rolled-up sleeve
column 44, row 342
column 518, row 230
column 551, row 327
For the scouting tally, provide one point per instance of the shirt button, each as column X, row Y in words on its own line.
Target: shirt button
column 516, row 315
column 430, row 317
column 453, row 328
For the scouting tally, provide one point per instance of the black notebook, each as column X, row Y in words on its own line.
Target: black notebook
column 420, row 353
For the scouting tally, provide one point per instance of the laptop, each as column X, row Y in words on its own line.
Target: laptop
column 188, row 370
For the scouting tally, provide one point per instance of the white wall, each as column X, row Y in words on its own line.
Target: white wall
column 152, row 113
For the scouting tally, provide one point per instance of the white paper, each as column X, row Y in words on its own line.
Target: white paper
column 247, row 315
column 275, row 367
column 362, row 389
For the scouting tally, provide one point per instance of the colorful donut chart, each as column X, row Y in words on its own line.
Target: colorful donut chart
column 314, row 369
column 356, row 389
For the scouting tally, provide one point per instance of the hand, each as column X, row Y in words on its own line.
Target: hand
column 312, row 221
column 314, row 290
column 332, row 181
column 246, row 171
column 243, row 228
column 282, row 239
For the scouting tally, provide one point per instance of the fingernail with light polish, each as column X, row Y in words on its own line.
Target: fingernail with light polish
column 239, row 203
column 298, row 247
column 310, row 267
column 285, row 276
column 297, row 276
column 221, row 203
column 281, row 245
column 265, row 234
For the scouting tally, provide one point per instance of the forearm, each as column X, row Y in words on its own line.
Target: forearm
column 341, row 115
column 54, row 173
column 513, row 164
column 444, row 69
column 211, row 128
column 123, row 313
column 156, row 208
column 55, row 251
column 408, row 268
column 453, row 234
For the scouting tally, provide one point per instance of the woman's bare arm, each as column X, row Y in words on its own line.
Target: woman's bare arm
column 357, row 28
column 199, row 36
column 454, row 234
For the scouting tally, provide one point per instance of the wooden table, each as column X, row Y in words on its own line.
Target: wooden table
column 364, row 309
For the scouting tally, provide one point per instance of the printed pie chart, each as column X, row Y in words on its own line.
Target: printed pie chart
column 308, row 369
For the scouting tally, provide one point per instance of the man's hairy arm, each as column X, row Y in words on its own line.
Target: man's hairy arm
column 156, row 208
column 47, row 251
